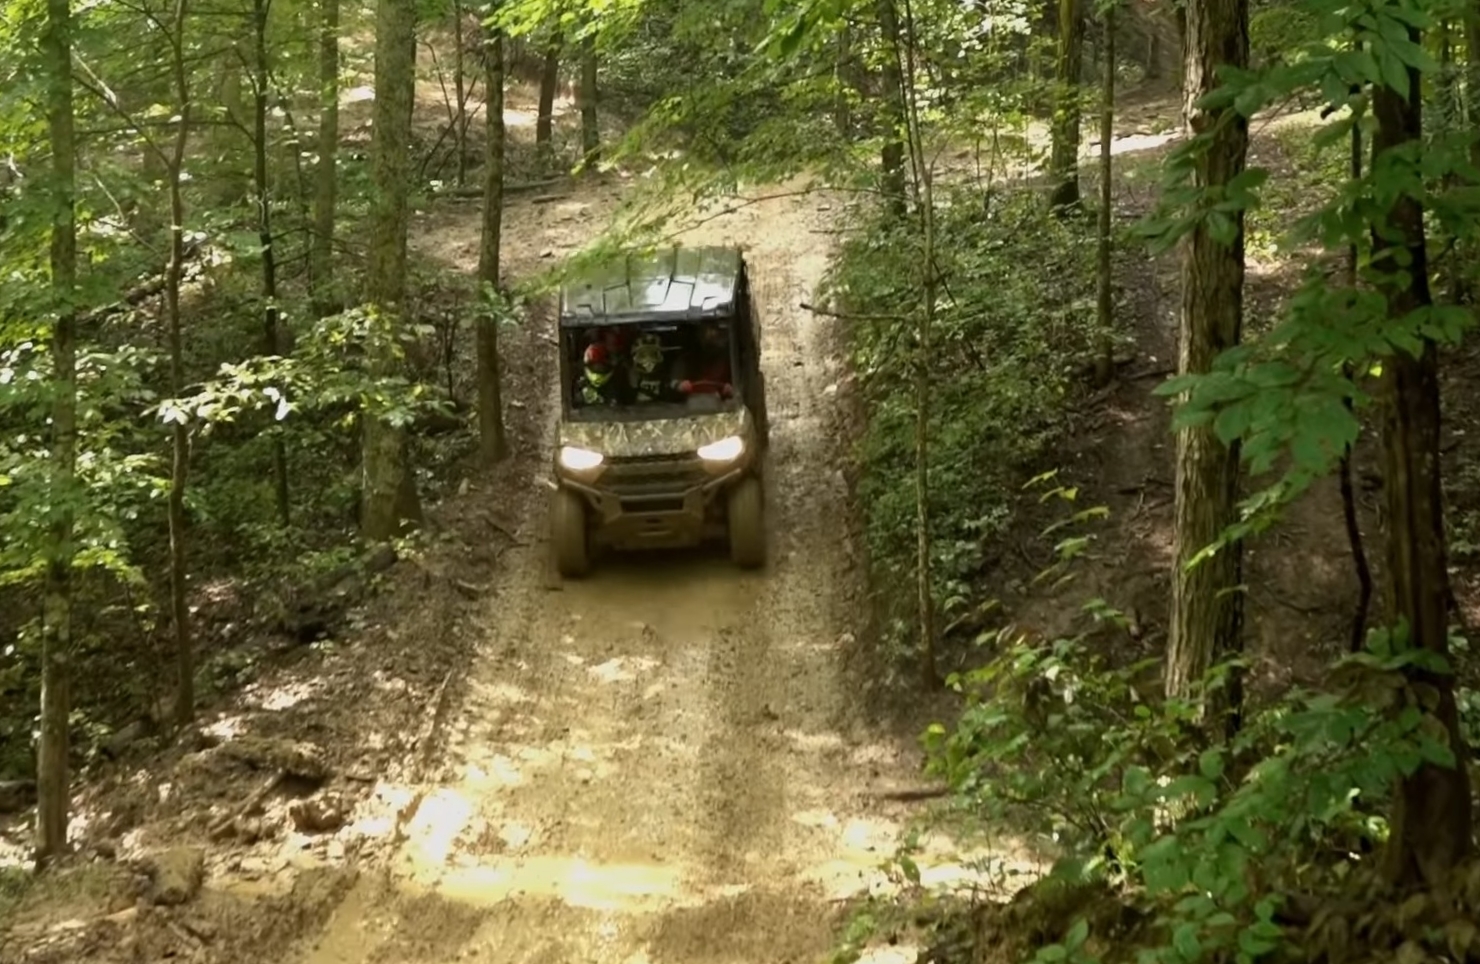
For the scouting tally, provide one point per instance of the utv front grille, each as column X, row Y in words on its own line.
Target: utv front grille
column 648, row 476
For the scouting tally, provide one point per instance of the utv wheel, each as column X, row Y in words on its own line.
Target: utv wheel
column 747, row 524
column 568, row 534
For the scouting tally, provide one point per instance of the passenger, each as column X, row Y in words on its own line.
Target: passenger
column 710, row 368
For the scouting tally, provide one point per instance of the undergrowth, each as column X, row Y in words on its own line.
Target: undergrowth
column 1015, row 324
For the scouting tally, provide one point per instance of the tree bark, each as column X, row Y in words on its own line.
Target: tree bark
column 389, row 493
column 590, row 132
column 1207, row 599
column 53, row 777
column 271, row 339
column 326, row 185
column 891, row 156
column 492, row 445
column 1064, row 154
column 549, row 80
column 1431, row 820
column 1105, row 295
column 184, row 708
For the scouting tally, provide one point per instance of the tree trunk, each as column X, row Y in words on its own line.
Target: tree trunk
column 184, row 708
column 1105, row 300
column 549, row 80
column 842, row 110
column 1207, row 598
column 389, row 494
column 270, row 334
column 590, row 133
column 1064, row 155
column 326, row 188
column 1472, row 76
column 53, row 779
column 491, row 442
column 891, row 157
column 1358, row 637
column 1431, row 820
column 459, row 90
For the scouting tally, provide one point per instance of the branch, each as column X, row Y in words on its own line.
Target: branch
column 845, row 316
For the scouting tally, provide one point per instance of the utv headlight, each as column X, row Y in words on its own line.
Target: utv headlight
column 580, row 460
column 725, row 450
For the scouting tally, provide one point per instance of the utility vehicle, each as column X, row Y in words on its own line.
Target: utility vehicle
column 662, row 426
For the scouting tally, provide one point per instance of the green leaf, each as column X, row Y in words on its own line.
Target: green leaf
column 1210, row 763
column 1186, row 942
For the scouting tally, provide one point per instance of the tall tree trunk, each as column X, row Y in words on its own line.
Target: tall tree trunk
column 271, row 339
column 326, row 188
column 590, row 133
column 842, row 75
column 1064, row 156
column 1472, row 77
column 459, row 90
column 1105, row 300
column 1207, row 598
column 184, row 707
column 389, row 493
column 491, row 442
column 549, row 80
column 1431, row 820
column 53, row 778
column 1358, row 636
column 892, row 155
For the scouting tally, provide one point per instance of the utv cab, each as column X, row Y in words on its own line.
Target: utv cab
column 663, row 414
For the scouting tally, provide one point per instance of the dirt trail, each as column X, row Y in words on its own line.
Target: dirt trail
column 661, row 763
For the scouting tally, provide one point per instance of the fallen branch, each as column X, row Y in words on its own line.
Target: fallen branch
column 548, row 198
column 471, row 191
column 845, row 316
column 913, row 794
column 220, row 827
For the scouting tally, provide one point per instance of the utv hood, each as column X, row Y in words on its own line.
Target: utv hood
column 670, row 436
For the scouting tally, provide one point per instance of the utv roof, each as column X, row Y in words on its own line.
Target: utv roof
column 671, row 284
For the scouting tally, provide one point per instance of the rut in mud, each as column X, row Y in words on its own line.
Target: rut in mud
column 663, row 762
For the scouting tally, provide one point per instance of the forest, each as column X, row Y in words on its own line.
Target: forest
column 1123, row 497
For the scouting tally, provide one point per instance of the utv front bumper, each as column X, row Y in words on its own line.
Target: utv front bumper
column 655, row 502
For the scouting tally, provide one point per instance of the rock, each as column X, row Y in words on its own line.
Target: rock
column 317, row 815
column 175, row 875
column 16, row 795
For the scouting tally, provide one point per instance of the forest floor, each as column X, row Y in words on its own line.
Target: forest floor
column 666, row 762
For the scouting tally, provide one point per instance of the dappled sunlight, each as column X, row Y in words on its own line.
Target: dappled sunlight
column 814, row 742
column 622, row 669
column 286, row 696
column 574, row 881
column 439, row 821
column 226, row 727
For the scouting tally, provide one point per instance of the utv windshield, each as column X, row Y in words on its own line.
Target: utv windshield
column 650, row 370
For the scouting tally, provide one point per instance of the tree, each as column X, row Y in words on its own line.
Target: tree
column 586, row 94
column 326, row 183
column 1064, row 157
column 491, row 443
column 894, row 109
column 1206, row 620
column 53, row 772
column 389, row 496
column 271, row 336
column 1105, row 295
column 549, row 80
column 184, row 703
column 1431, row 820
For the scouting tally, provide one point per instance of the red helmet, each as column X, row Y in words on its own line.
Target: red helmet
column 597, row 359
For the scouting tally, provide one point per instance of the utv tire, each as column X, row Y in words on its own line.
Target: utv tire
column 568, row 534
column 747, row 522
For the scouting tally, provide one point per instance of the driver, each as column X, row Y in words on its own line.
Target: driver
column 711, row 371
column 648, row 370
column 595, row 385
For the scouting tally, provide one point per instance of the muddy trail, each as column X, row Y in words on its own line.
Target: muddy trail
column 663, row 762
